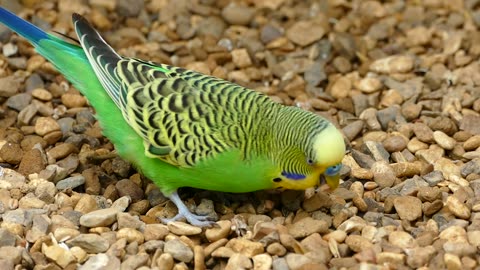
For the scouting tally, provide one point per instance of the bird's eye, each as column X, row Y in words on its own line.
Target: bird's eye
column 333, row 170
column 309, row 161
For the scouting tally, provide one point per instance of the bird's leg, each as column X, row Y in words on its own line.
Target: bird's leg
column 195, row 220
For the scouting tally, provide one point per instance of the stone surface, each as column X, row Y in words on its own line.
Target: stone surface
column 179, row 250
column 408, row 208
column 99, row 218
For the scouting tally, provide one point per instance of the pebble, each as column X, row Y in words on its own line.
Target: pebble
column 26, row 114
column 469, row 123
column 135, row 262
column 401, row 239
column 63, row 234
column 73, row 101
column 70, row 182
column 9, row 86
column 181, row 228
column 458, row 208
column 245, row 247
column 352, row 130
column 430, row 155
column 222, row 252
column 393, row 64
column 91, row 243
column 6, row 264
column 19, row 102
column 165, row 261
column 126, row 187
column 12, row 253
column 472, row 143
column 60, row 151
column 368, row 85
column 99, row 218
column 86, row 204
column 297, row 261
column 358, row 243
column 237, row 14
column 406, row 169
column 42, row 94
column 11, row 153
column 408, row 208
column 59, row 255
column 304, row 33
column 179, row 250
column 126, row 220
column 262, row 262
column 429, row 194
column 101, row 262
column 241, row 58
column 45, row 125
column 317, row 201
column 390, row 258
column 444, row 140
column 395, row 143
column 155, row 232
column 340, row 88
column 30, row 202
column 411, row 111
column 217, row 233
column 383, row 174
column 276, row 249
column 419, row 256
column 7, row 238
column 132, row 235
column 238, row 261
column 121, row 203
column 414, row 145
column 307, row 226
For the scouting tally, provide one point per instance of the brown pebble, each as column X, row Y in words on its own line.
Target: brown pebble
column 306, row 227
column 358, row 243
column 42, row 94
column 395, row 144
column 45, row 125
column 11, row 153
column 73, row 101
column 408, row 207
column 245, row 247
column 458, row 208
column 276, row 249
column 214, row 246
column 423, row 132
column 126, row 187
column 472, row 143
column 223, row 230
column 62, row 150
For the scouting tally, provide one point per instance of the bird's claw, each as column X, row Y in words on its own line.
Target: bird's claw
column 195, row 220
column 183, row 212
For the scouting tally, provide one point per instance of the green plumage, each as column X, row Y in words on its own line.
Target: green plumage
column 182, row 128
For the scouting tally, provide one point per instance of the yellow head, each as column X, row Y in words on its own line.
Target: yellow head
column 320, row 153
column 329, row 149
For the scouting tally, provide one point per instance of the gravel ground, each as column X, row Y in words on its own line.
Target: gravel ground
column 401, row 79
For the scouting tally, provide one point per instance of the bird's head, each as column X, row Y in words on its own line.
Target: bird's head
column 319, row 155
column 329, row 150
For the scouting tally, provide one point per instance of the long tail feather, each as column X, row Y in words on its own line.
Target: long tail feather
column 27, row 30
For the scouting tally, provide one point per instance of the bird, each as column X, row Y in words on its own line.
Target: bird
column 181, row 128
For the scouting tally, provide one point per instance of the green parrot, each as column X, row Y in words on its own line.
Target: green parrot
column 181, row 128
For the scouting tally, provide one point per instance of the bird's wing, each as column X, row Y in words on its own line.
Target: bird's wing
column 183, row 116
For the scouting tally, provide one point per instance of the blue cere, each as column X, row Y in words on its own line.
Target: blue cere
column 333, row 170
column 294, row 176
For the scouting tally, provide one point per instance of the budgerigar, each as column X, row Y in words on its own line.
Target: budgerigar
column 181, row 128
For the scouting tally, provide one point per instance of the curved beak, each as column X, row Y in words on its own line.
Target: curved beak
column 332, row 180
